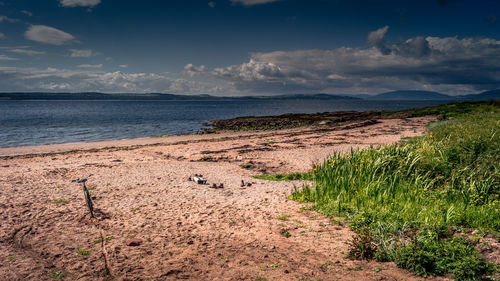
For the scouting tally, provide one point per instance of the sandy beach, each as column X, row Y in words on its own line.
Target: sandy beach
column 152, row 223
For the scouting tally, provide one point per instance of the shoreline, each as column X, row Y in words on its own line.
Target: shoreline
column 135, row 143
column 337, row 120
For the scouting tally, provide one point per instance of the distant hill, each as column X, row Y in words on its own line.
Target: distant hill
column 305, row 97
column 395, row 95
column 152, row 96
column 488, row 95
column 410, row 95
column 97, row 96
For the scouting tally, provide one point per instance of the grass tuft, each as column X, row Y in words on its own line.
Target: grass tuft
column 99, row 240
column 285, row 233
column 60, row 202
column 283, row 217
column 57, row 275
column 83, row 252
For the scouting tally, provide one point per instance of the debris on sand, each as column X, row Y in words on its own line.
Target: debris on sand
column 217, row 186
column 199, row 179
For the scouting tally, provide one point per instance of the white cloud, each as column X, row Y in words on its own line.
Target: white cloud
column 211, row 4
column 90, row 65
column 25, row 51
column 80, row 53
column 48, row 35
column 123, row 65
column 6, row 58
column 2, row 36
column 92, row 79
column 28, row 13
column 252, row 2
column 376, row 38
column 79, row 3
column 192, row 70
column 7, row 19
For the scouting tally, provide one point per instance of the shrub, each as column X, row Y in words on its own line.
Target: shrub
column 436, row 257
column 362, row 247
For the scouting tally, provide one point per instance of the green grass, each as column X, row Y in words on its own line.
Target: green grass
column 283, row 217
column 448, row 179
column 60, row 202
column 275, row 266
column 57, row 275
column 455, row 109
column 99, row 240
column 285, row 233
column 286, row 177
column 83, row 252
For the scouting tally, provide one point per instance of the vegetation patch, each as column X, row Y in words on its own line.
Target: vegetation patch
column 247, row 166
column 57, row 275
column 83, row 252
column 429, row 256
column 99, row 240
column 275, row 265
column 285, row 233
column 403, row 199
column 283, row 217
column 60, row 202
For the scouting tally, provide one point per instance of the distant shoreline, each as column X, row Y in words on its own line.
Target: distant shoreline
column 406, row 95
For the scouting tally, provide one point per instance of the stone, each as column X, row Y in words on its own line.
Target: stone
column 133, row 242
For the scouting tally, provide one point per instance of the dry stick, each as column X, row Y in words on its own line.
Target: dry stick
column 107, row 265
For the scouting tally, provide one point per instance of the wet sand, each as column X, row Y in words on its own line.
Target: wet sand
column 184, row 230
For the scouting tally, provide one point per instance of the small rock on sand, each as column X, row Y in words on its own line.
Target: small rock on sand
column 133, row 242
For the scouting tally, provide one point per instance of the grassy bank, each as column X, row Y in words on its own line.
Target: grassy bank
column 406, row 201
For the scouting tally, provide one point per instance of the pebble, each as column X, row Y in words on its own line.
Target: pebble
column 133, row 242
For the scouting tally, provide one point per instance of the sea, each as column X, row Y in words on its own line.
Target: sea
column 40, row 122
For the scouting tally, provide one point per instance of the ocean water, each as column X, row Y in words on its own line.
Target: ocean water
column 24, row 123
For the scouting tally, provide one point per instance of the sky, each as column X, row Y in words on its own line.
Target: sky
column 249, row 47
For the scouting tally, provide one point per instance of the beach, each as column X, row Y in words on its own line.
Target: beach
column 153, row 223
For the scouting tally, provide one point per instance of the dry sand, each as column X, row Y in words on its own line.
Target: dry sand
column 187, row 231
